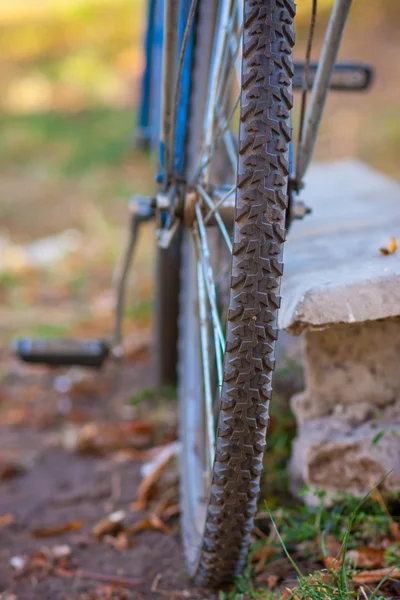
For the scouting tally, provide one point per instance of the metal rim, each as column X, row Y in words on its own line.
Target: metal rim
column 207, row 255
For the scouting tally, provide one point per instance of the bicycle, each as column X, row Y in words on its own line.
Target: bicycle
column 227, row 194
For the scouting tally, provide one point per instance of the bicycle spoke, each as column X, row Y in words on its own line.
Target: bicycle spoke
column 209, row 277
column 219, row 340
column 218, row 218
column 231, row 148
column 216, row 74
column 219, row 203
column 206, row 158
column 239, row 12
column 235, row 47
column 208, row 396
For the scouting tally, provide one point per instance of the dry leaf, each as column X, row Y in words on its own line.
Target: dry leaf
column 58, row 529
column 6, row 520
column 333, row 547
column 110, row 525
column 10, row 469
column 153, row 522
column 288, row 593
column 367, row 558
column 395, row 530
column 377, row 575
column 83, row 440
column 391, row 248
column 158, row 524
column 332, row 563
column 121, row 541
column 171, row 511
column 261, row 556
column 272, row 581
column 153, row 471
column 59, row 552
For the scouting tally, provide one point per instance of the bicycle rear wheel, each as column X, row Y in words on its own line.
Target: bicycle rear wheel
column 231, row 270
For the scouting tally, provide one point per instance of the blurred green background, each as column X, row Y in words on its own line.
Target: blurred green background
column 70, row 81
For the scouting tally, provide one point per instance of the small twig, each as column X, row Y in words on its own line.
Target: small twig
column 363, row 593
column 261, row 515
column 171, row 593
column 155, row 582
column 116, row 490
column 377, row 496
column 260, row 533
column 115, row 579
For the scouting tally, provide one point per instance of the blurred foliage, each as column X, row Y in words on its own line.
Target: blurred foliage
column 74, row 142
column 66, row 54
column 70, row 74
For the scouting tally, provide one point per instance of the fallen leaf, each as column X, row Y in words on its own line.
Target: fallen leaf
column 377, row 575
column 6, row 520
column 58, row 552
column 170, row 593
column 261, row 556
column 152, row 522
column 137, row 427
column 58, row 529
column 391, row 248
column 158, row 524
column 367, row 558
column 110, row 525
column 395, row 530
column 106, row 592
column 120, row 541
column 272, row 581
column 171, row 511
column 332, row 546
column 153, row 471
column 10, row 469
column 83, row 440
column 288, row 593
column 332, row 563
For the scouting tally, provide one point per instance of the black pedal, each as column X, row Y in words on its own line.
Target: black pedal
column 62, row 353
column 346, row 77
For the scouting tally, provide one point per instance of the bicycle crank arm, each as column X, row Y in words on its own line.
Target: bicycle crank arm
column 346, row 77
column 62, row 353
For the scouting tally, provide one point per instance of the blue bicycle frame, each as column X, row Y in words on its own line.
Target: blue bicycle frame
column 151, row 106
column 151, row 101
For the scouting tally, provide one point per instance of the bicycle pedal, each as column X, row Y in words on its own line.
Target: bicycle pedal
column 62, row 353
column 346, row 77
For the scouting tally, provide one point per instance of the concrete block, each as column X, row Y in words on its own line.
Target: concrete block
column 344, row 297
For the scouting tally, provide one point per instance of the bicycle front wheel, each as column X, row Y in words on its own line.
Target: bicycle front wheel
column 238, row 168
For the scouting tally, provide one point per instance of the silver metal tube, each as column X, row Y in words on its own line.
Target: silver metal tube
column 217, row 59
column 320, row 88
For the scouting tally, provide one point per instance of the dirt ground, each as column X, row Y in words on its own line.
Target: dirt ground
column 61, row 474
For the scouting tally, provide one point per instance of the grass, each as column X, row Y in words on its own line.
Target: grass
column 73, row 144
column 345, row 521
column 49, row 331
column 311, row 553
column 148, row 394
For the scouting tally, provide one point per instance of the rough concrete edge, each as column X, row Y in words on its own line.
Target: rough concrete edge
column 346, row 303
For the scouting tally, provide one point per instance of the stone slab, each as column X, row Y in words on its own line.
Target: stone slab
column 331, row 455
column 334, row 272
